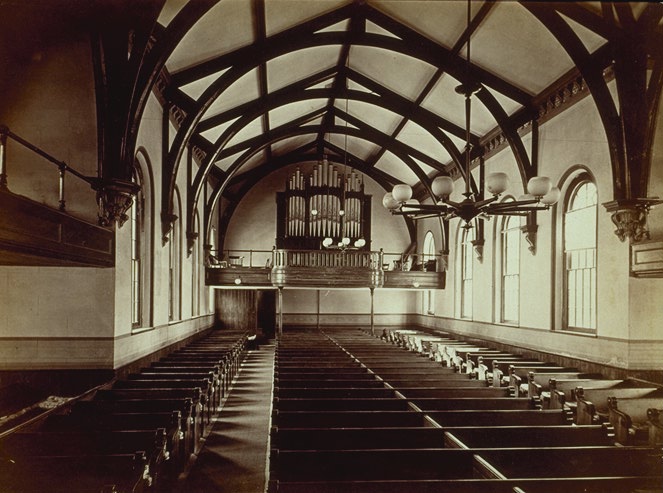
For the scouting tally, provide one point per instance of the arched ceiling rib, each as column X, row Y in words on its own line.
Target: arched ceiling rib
column 372, row 71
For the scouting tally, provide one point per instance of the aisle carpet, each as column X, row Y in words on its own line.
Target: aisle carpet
column 234, row 457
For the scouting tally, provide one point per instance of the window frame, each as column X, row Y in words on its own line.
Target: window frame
column 464, row 285
column 429, row 253
column 573, row 188
column 504, row 256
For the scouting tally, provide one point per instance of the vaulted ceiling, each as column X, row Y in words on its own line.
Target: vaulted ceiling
column 252, row 85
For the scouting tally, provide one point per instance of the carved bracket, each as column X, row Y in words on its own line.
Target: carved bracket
column 478, row 248
column 167, row 221
column 529, row 230
column 191, row 237
column 630, row 217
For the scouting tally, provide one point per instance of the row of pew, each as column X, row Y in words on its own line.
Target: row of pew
column 135, row 434
column 634, row 408
column 354, row 413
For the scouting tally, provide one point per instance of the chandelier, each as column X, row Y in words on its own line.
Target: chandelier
column 540, row 192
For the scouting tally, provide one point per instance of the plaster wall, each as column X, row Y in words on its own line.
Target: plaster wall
column 48, row 100
column 628, row 315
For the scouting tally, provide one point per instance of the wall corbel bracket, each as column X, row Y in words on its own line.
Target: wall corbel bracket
column 191, row 237
column 167, row 221
column 478, row 248
column 630, row 217
column 529, row 230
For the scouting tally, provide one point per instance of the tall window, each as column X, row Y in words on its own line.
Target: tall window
column 580, row 256
column 510, row 273
column 135, row 214
column 466, row 268
column 175, row 266
column 428, row 259
column 195, row 271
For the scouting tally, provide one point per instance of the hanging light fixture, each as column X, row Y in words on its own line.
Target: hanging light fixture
column 540, row 192
column 349, row 183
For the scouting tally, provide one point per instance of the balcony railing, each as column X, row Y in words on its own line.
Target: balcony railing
column 346, row 268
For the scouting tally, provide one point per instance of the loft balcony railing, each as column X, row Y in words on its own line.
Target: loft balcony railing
column 32, row 233
column 325, row 268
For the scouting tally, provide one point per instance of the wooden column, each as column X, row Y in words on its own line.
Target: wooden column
column 279, row 324
column 372, row 311
column 317, row 314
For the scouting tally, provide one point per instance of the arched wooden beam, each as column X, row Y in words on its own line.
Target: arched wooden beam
column 280, row 134
column 296, row 157
column 300, row 95
column 252, row 57
column 593, row 76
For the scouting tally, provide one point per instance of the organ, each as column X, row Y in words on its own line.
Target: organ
column 323, row 203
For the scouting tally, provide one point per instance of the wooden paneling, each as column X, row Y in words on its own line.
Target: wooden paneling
column 236, row 308
column 34, row 234
column 414, row 279
column 326, row 277
column 248, row 276
column 647, row 259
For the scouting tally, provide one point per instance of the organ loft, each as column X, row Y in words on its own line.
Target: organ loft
column 331, row 246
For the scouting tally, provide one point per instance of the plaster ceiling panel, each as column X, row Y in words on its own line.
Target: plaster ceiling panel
column 243, row 90
column 196, row 88
column 392, row 165
column 511, row 42
column 170, row 10
column 214, row 133
column 590, row 39
column 226, row 27
column 226, row 162
column 429, row 170
column 360, row 148
column 402, row 74
column 253, row 129
column 254, row 161
column 445, row 102
column 285, row 146
column 509, row 105
column 377, row 117
column 443, row 22
column 313, row 123
column 283, row 14
column 286, row 113
column 420, row 139
column 338, row 27
column 296, row 65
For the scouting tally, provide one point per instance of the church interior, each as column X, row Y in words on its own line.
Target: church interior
column 369, row 246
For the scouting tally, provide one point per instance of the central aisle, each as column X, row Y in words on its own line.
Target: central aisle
column 234, row 457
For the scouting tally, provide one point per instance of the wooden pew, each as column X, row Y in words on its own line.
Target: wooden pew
column 501, row 417
column 353, row 404
column 204, row 385
column 631, row 418
column 333, row 393
column 592, row 403
column 614, row 484
column 538, row 382
column 153, row 443
column 560, row 392
column 161, row 378
column 76, row 474
column 555, row 462
column 530, row 436
column 421, row 392
column 366, row 465
column 460, row 403
column 347, row 419
column 356, row 438
column 313, row 384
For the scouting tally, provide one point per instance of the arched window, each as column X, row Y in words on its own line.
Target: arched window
column 510, row 269
column 212, row 243
column 466, row 269
column 175, row 265
column 140, row 225
column 195, row 271
column 580, row 218
column 428, row 260
column 135, row 220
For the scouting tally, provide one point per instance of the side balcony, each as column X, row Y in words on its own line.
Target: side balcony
column 337, row 268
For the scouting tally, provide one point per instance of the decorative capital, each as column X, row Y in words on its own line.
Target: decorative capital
column 167, row 221
column 114, row 198
column 191, row 237
column 530, row 230
column 630, row 217
column 478, row 248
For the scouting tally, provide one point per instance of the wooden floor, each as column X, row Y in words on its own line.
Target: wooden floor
column 233, row 459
